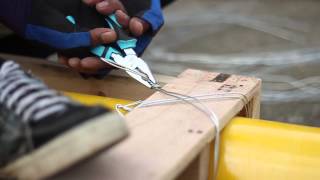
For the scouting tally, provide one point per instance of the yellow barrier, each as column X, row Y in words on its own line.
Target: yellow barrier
column 256, row 149
column 92, row 100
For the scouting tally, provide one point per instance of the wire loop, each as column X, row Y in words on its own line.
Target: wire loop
column 194, row 101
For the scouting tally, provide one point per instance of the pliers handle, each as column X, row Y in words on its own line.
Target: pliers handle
column 124, row 41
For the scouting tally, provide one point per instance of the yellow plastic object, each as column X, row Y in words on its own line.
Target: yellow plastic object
column 257, row 150
column 93, row 100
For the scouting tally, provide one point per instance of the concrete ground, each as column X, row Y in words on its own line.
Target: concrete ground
column 277, row 41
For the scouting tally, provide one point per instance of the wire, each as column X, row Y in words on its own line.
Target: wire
column 187, row 99
column 124, row 68
column 213, row 117
column 202, row 108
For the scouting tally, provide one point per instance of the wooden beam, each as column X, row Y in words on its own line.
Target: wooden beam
column 165, row 139
column 117, row 84
column 199, row 167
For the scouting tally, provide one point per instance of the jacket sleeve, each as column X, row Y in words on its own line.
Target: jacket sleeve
column 13, row 14
column 151, row 12
column 165, row 3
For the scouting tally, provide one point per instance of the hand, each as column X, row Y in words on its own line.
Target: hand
column 135, row 26
column 45, row 21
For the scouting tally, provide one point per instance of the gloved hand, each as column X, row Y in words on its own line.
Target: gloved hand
column 149, row 11
column 130, row 14
column 45, row 21
column 142, row 17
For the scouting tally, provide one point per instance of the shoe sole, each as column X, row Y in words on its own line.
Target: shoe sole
column 69, row 148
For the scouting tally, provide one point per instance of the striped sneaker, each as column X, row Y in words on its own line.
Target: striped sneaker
column 43, row 132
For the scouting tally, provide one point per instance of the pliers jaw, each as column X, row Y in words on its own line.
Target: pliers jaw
column 136, row 68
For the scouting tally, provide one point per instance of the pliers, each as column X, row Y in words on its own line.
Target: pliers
column 122, row 55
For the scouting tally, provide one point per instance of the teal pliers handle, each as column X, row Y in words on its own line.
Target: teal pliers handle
column 124, row 41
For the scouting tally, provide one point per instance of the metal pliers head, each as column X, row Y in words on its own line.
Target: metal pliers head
column 123, row 55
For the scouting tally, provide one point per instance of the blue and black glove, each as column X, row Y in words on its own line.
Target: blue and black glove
column 151, row 12
column 45, row 21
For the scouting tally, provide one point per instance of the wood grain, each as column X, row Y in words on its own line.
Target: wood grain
column 165, row 139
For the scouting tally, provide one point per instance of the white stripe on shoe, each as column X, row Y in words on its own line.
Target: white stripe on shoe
column 27, row 96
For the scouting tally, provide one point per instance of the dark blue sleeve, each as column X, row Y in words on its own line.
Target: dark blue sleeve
column 165, row 3
column 13, row 13
column 154, row 17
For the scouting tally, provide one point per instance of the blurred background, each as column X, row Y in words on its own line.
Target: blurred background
column 277, row 41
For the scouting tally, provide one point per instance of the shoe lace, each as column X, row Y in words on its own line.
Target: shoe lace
column 27, row 96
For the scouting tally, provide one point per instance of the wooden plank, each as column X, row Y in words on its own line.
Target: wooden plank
column 198, row 169
column 165, row 139
column 202, row 167
column 117, row 85
column 255, row 110
column 120, row 86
